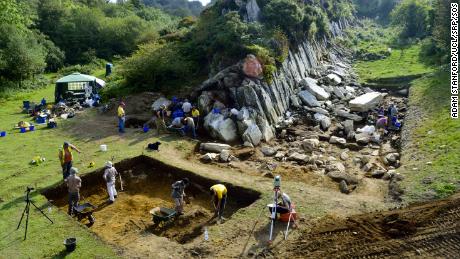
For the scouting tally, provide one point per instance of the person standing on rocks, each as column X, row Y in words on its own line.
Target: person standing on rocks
column 121, row 117
column 178, row 194
column 110, row 176
column 66, row 158
column 73, row 184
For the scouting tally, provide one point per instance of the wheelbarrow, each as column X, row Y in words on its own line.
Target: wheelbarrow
column 162, row 216
column 85, row 211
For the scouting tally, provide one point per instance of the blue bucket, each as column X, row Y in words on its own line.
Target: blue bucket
column 32, row 128
column 22, row 130
column 146, row 129
column 2, row 134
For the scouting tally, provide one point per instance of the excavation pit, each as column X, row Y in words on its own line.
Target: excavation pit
column 147, row 184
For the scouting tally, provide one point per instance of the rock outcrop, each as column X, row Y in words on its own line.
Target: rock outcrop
column 268, row 102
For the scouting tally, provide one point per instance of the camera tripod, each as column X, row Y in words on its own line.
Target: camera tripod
column 27, row 210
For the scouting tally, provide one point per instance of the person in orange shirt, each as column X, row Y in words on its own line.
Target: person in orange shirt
column 66, row 157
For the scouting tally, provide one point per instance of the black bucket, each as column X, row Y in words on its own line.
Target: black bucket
column 70, row 244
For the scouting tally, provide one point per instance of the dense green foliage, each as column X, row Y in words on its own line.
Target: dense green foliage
column 412, row 17
column 377, row 9
column 177, row 7
column 98, row 28
column 45, row 35
column 221, row 36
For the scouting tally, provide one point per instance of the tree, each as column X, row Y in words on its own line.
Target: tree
column 441, row 27
column 413, row 18
column 22, row 56
column 283, row 13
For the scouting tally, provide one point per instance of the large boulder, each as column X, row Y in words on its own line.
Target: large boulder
column 220, row 128
column 311, row 85
column 324, row 121
column 227, row 131
column 310, row 144
column 337, row 140
column 214, row 147
column 333, row 79
column 252, row 135
column 366, row 102
column 268, row 151
column 347, row 115
column 308, row 99
column 160, row 101
column 299, row 157
column 342, row 176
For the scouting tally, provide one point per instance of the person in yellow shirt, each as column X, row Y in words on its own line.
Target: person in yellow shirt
column 195, row 116
column 218, row 199
column 121, row 117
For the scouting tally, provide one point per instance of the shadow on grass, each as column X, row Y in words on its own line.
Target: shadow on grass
column 62, row 254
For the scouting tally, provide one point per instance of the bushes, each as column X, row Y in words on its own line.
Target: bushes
column 413, row 18
column 283, row 13
column 156, row 66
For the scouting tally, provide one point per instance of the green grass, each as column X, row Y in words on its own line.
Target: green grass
column 401, row 63
column 435, row 139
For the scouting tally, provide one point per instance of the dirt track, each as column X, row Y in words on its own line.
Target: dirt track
column 425, row 230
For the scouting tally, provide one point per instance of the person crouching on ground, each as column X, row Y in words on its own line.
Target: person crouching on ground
column 189, row 125
column 218, row 199
column 178, row 193
column 73, row 184
column 110, row 174
column 66, row 157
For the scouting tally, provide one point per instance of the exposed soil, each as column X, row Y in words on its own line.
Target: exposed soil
column 147, row 184
column 429, row 230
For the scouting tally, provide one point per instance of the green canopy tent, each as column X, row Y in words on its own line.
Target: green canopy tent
column 77, row 86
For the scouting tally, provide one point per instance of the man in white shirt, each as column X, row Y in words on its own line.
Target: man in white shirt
column 186, row 106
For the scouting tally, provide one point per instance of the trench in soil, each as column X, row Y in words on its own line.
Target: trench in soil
column 147, row 184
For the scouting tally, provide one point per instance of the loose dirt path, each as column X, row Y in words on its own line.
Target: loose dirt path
column 428, row 230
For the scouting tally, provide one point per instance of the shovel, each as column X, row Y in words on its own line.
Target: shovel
column 119, row 176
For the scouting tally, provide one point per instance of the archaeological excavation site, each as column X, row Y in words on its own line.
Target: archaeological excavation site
column 147, row 185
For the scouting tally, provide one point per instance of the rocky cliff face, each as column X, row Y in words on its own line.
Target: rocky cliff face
column 259, row 106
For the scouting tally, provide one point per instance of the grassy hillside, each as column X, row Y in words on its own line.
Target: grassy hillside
column 431, row 154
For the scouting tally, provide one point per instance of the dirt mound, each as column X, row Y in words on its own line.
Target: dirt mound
column 425, row 230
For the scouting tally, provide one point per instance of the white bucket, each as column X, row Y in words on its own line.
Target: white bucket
column 103, row 148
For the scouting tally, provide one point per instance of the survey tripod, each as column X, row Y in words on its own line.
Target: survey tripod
column 27, row 211
column 276, row 190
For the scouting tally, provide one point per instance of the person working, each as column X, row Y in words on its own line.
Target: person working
column 284, row 203
column 189, row 125
column 218, row 199
column 178, row 193
column 121, row 117
column 196, row 116
column 66, row 158
column 381, row 123
column 160, row 121
column 109, row 176
column 73, row 184
column 186, row 107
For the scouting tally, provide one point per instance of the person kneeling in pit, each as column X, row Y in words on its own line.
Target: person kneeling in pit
column 178, row 193
column 285, row 209
column 218, row 199
column 110, row 174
